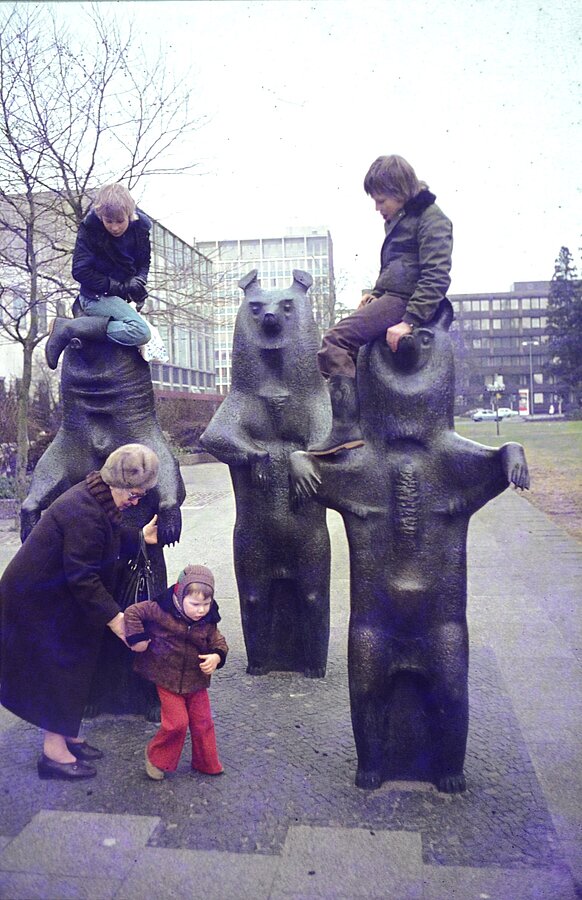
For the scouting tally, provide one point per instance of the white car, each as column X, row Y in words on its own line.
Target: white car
column 484, row 415
column 505, row 413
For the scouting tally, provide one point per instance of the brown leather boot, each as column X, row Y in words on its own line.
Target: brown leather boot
column 345, row 431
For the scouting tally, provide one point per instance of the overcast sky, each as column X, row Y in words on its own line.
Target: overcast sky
column 482, row 97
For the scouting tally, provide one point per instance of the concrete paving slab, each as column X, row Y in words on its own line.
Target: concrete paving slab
column 25, row 886
column 73, row 843
column 289, row 754
column 185, row 874
column 341, row 862
column 442, row 883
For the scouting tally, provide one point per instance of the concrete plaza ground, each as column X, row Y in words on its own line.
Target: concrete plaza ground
column 285, row 820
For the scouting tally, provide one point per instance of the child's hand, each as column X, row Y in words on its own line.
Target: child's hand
column 141, row 646
column 395, row 332
column 209, row 662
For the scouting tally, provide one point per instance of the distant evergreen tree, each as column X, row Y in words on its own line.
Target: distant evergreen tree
column 564, row 328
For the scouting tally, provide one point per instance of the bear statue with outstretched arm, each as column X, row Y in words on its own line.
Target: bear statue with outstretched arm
column 406, row 498
column 278, row 403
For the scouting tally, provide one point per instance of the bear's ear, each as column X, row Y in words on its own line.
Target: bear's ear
column 249, row 279
column 302, row 279
column 443, row 316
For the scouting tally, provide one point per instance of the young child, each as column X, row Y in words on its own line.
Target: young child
column 413, row 279
column 181, row 647
column 111, row 262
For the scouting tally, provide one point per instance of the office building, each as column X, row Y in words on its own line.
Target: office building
column 503, row 336
column 309, row 249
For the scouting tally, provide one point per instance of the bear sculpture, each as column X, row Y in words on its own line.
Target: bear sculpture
column 406, row 498
column 108, row 400
column 278, row 403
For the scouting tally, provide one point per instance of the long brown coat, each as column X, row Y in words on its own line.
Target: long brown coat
column 56, row 597
column 172, row 658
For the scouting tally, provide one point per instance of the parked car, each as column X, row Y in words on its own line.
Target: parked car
column 505, row 413
column 484, row 415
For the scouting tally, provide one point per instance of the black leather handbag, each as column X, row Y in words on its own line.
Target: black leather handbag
column 136, row 581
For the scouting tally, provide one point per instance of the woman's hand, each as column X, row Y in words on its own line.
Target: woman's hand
column 150, row 531
column 209, row 662
column 117, row 625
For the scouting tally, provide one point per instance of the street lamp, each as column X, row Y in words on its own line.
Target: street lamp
column 531, row 344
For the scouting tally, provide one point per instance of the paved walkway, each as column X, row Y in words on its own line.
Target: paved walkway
column 286, row 821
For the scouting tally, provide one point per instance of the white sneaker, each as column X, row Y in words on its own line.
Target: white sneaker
column 153, row 771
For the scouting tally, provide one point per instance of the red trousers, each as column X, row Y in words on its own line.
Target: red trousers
column 180, row 711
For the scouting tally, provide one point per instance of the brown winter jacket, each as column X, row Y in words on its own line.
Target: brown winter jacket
column 416, row 258
column 172, row 658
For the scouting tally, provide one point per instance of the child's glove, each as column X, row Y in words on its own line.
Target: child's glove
column 136, row 291
column 117, row 289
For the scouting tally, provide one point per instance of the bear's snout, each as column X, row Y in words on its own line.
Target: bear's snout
column 271, row 323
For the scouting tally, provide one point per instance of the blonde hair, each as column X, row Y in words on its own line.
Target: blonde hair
column 113, row 202
column 394, row 176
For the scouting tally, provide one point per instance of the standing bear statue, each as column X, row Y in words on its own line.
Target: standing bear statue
column 278, row 403
column 406, row 498
column 108, row 400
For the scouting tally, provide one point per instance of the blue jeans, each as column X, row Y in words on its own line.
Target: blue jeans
column 125, row 326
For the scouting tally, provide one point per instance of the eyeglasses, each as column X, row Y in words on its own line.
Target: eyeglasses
column 131, row 495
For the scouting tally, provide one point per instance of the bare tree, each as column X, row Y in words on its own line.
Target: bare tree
column 73, row 116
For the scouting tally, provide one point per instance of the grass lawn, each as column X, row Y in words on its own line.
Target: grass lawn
column 554, row 455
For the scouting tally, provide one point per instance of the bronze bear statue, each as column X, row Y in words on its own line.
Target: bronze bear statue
column 278, row 403
column 108, row 400
column 406, row 498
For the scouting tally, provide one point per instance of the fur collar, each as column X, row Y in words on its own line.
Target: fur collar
column 102, row 493
column 417, row 205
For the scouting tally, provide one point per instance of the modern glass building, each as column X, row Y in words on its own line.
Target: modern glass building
column 180, row 304
column 309, row 249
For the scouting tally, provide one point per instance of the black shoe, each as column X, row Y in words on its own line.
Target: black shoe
column 84, row 750
column 48, row 768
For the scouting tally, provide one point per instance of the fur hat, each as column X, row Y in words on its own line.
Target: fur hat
column 193, row 575
column 131, row 466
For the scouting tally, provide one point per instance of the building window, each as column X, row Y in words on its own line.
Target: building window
column 526, row 321
column 272, row 248
column 250, row 249
column 538, row 378
column 466, row 305
column 526, row 303
column 496, row 324
column 228, row 250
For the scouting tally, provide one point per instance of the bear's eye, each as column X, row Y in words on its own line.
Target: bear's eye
column 426, row 339
column 255, row 308
column 288, row 305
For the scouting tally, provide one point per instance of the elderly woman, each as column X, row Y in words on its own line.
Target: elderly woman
column 57, row 599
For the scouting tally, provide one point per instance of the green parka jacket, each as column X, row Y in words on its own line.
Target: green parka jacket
column 416, row 257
